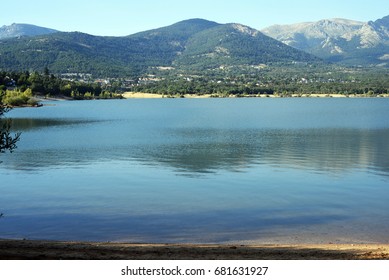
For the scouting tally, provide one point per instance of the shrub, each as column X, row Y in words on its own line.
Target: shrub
column 17, row 98
column 88, row 95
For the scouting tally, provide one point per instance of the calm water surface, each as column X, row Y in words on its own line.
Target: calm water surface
column 208, row 170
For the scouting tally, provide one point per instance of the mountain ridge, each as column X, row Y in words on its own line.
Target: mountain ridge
column 194, row 45
column 75, row 52
column 338, row 40
column 218, row 44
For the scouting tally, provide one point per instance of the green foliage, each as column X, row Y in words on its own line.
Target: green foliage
column 7, row 141
column 283, row 80
column 88, row 95
column 25, row 85
column 17, row 98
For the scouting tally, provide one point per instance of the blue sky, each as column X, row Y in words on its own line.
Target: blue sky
column 125, row 17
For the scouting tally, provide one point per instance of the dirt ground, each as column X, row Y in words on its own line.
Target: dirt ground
column 46, row 250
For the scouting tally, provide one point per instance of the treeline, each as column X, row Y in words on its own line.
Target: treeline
column 181, row 87
column 18, row 88
column 278, row 81
column 200, row 87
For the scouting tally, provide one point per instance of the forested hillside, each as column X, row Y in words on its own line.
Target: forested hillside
column 193, row 43
column 235, row 45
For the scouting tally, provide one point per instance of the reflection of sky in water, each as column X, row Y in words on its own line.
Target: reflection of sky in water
column 201, row 171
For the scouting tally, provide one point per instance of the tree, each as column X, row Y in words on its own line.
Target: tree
column 46, row 71
column 7, row 141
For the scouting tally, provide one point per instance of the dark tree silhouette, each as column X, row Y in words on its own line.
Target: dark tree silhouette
column 7, row 141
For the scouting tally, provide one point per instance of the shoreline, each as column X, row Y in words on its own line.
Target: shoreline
column 56, row 250
column 143, row 95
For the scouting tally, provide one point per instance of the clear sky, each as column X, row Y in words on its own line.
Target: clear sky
column 125, row 17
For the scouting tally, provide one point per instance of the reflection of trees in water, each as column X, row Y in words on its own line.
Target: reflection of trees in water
column 328, row 150
column 196, row 151
column 26, row 124
column 33, row 159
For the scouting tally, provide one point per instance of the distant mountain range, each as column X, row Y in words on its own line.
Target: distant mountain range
column 194, row 44
column 338, row 40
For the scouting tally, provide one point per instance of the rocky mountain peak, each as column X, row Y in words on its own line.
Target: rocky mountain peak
column 245, row 29
column 17, row 30
column 383, row 22
column 337, row 38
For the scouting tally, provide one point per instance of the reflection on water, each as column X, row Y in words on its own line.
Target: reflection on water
column 25, row 124
column 205, row 151
column 199, row 171
column 333, row 150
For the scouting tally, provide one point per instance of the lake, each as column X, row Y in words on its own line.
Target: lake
column 246, row 171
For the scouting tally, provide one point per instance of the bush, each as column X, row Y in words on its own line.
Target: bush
column 17, row 98
column 88, row 95
column 15, row 101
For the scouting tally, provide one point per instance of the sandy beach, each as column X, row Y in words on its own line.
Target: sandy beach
column 49, row 250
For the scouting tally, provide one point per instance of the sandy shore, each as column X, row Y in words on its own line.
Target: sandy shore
column 140, row 95
column 47, row 250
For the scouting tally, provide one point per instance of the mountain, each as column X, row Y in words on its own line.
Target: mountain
column 18, row 30
column 236, row 44
column 189, row 44
column 338, row 40
column 308, row 35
